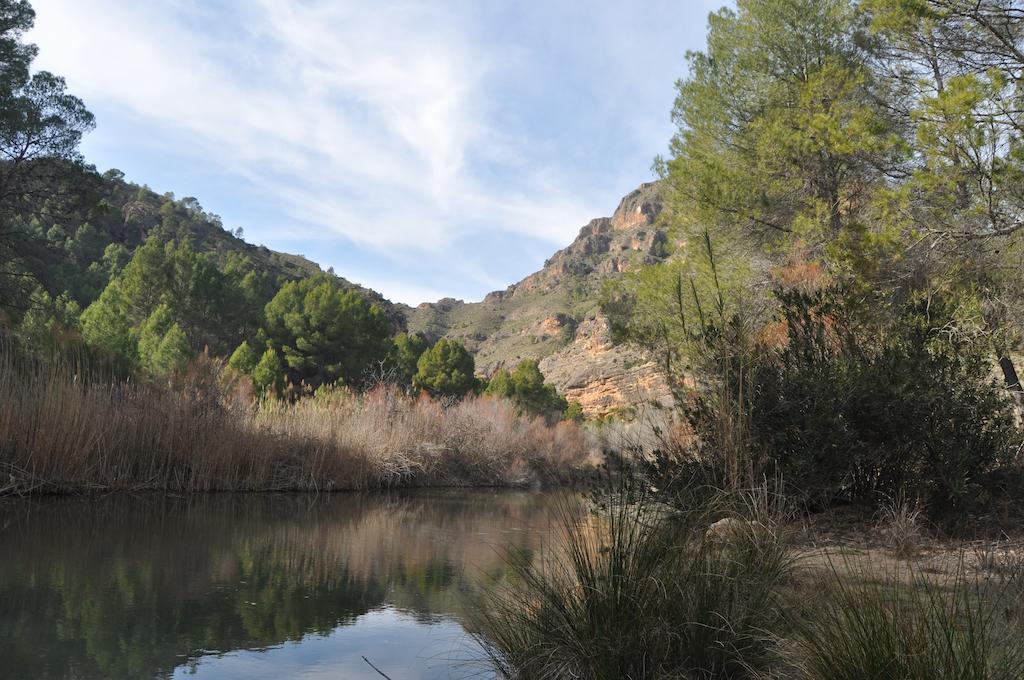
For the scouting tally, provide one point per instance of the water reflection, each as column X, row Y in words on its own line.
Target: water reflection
column 251, row 585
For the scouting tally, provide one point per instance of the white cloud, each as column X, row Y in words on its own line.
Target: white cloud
column 363, row 120
column 388, row 131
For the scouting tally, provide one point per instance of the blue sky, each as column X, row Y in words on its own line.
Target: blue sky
column 424, row 149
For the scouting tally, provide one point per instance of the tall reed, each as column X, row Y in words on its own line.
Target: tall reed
column 63, row 429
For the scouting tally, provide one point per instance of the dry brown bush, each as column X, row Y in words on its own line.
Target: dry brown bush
column 62, row 430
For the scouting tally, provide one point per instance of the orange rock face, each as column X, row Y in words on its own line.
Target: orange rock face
column 602, row 376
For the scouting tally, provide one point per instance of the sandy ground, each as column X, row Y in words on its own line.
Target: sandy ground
column 854, row 542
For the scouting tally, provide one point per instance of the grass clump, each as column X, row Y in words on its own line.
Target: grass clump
column 899, row 522
column 907, row 627
column 639, row 590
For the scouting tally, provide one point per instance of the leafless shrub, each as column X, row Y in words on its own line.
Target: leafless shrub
column 64, row 430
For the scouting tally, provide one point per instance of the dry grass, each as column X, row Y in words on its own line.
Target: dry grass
column 899, row 522
column 909, row 625
column 67, row 431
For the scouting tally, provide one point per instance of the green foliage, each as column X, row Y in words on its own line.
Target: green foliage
column 48, row 318
column 860, row 414
column 574, row 412
column 105, row 325
column 115, row 258
column 326, row 333
column 408, row 349
column 154, row 255
column 151, row 333
column 445, row 370
column 163, row 348
column 962, row 108
column 525, row 387
column 268, row 375
column 782, row 126
column 877, row 138
column 172, row 355
column 244, row 358
column 164, row 285
column 188, row 283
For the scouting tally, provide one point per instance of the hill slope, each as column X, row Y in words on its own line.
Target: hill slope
column 553, row 314
column 114, row 212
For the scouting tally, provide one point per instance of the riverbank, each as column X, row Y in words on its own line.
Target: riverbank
column 67, row 431
column 737, row 586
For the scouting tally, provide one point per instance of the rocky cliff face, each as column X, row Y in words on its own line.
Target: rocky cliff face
column 553, row 314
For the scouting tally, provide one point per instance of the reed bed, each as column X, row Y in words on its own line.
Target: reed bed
column 69, row 431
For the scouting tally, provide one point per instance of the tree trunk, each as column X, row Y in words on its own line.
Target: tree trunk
column 1010, row 375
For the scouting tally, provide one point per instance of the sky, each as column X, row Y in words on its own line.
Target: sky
column 426, row 149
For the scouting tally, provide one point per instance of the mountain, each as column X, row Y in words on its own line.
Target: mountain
column 108, row 211
column 553, row 315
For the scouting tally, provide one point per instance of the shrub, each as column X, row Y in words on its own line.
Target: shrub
column 268, row 374
column 405, row 353
column 574, row 412
column 445, row 370
column 525, row 387
column 244, row 358
column 854, row 413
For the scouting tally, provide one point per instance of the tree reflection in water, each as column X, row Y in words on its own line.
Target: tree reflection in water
column 134, row 587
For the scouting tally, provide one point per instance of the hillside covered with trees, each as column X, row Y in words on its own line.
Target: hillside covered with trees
column 143, row 283
column 145, row 346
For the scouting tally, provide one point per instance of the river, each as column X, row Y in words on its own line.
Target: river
column 256, row 585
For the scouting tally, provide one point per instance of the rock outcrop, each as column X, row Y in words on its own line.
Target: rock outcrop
column 553, row 315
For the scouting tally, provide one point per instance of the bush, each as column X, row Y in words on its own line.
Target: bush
column 848, row 413
column 574, row 412
column 244, row 358
column 525, row 387
column 405, row 353
column 445, row 370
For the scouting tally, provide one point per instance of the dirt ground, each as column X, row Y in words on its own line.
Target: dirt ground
column 850, row 539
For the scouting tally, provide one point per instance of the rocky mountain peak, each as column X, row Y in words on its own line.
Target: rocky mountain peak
column 554, row 316
column 639, row 207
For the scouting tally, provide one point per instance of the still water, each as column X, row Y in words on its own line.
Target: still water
column 255, row 586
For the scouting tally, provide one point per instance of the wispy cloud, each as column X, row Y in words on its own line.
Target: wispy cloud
column 388, row 125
